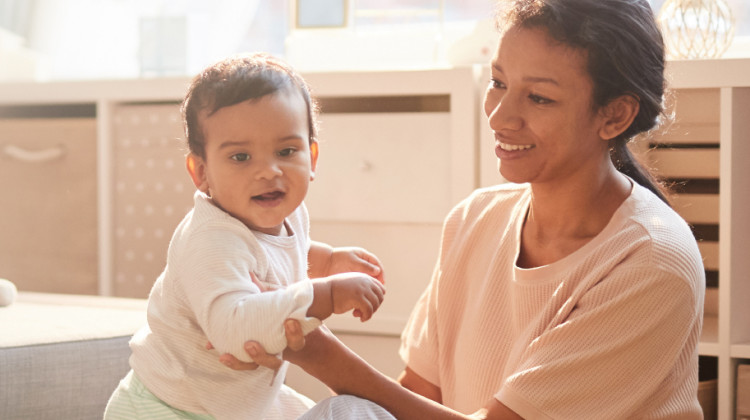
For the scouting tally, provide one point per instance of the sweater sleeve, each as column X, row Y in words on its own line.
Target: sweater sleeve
column 418, row 349
column 615, row 349
column 228, row 306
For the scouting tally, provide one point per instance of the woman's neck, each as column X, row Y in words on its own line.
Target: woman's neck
column 564, row 217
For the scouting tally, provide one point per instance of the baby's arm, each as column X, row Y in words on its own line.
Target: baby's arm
column 325, row 260
column 343, row 292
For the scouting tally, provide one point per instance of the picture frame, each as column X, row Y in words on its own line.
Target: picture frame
column 316, row 14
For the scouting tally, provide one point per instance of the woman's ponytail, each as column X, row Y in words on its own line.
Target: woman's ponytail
column 627, row 163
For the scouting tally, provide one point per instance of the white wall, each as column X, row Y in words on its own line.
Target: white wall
column 85, row 39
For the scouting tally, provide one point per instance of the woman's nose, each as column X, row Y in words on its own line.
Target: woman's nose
column 503, row 112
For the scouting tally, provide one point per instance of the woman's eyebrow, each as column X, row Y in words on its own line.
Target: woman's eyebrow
column 531, row 79
column 536, row 79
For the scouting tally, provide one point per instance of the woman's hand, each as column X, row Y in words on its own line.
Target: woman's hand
column 326, row 358
column 295, row 342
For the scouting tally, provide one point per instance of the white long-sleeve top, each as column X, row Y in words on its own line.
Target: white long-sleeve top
column 206, row 294
column 610, row 331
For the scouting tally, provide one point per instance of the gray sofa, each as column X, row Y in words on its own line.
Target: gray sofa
column 61, row 356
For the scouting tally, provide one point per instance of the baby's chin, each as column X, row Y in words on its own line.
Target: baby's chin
column 269, row 228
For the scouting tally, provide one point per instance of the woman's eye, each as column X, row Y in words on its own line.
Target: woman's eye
column 496, row 84
column 541, row 100
column 287, row 152
column 240, row 157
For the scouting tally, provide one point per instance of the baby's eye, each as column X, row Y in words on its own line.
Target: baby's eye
column 240, row 157
column 541, row 100
column 287, row 152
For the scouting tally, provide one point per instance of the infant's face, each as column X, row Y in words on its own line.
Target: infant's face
column 259, row 162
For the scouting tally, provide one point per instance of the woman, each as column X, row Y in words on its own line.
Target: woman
column 574, row 292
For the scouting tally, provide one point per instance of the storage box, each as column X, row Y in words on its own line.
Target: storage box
column 743, row 392
column 707, row 398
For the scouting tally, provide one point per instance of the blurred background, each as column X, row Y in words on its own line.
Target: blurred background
column 116, row 39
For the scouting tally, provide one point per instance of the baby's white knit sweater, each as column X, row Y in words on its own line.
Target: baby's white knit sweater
column 206, row 294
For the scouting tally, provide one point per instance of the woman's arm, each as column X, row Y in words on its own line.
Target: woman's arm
column 415, row 383
column 329, row 360
column 322, row 355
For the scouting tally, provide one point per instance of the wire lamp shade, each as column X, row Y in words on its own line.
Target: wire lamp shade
column 696, row 28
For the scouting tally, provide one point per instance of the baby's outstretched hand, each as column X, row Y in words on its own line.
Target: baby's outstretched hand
column 348, row 259
column 357, row 292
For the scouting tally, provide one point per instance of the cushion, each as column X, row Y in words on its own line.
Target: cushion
column 61, row 356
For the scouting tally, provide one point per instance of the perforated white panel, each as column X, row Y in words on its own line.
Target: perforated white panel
column 152, row 192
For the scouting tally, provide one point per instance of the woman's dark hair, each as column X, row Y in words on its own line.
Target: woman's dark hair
column 234, row 80
column 625, row 53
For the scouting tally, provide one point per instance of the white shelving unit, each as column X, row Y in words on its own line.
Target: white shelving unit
column 721, row 90
column 385, row 136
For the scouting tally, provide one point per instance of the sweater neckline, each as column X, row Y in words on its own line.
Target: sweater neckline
column 551, row 271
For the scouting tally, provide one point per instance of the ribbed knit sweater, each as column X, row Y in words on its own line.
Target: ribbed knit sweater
column 206, row 293
column 610, row 331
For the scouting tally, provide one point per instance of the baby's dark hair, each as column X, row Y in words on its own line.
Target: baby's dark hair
column 234, row 80
column 625, row 53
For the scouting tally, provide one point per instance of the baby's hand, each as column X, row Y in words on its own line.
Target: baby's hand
column 358, row 292
column 348, row 259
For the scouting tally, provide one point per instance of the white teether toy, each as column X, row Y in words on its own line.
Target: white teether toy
column 8, row 292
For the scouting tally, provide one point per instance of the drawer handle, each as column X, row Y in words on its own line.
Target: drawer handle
column 34, row 156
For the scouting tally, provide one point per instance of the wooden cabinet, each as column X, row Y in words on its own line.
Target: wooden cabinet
column 48, row 227
column 66, row 178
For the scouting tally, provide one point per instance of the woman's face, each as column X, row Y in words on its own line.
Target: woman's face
column 539, row 105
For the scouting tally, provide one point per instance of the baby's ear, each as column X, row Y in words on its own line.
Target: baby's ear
column 314, row 151
column 196, row 167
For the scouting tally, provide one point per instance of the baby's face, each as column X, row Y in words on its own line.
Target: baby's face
column 259, row 162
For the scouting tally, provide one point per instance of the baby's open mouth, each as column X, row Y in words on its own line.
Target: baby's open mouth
column 269, row 196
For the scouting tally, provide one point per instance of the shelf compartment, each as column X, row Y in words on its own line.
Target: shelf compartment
column 709, row 344
column 741, row 350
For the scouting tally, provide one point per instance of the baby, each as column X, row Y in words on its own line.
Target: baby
column 238, row 264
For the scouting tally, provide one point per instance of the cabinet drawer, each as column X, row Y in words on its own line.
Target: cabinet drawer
column 48, row 205
column 383, row 167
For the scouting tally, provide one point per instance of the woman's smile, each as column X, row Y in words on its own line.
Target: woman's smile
column 508, row 151
column 514, row 147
